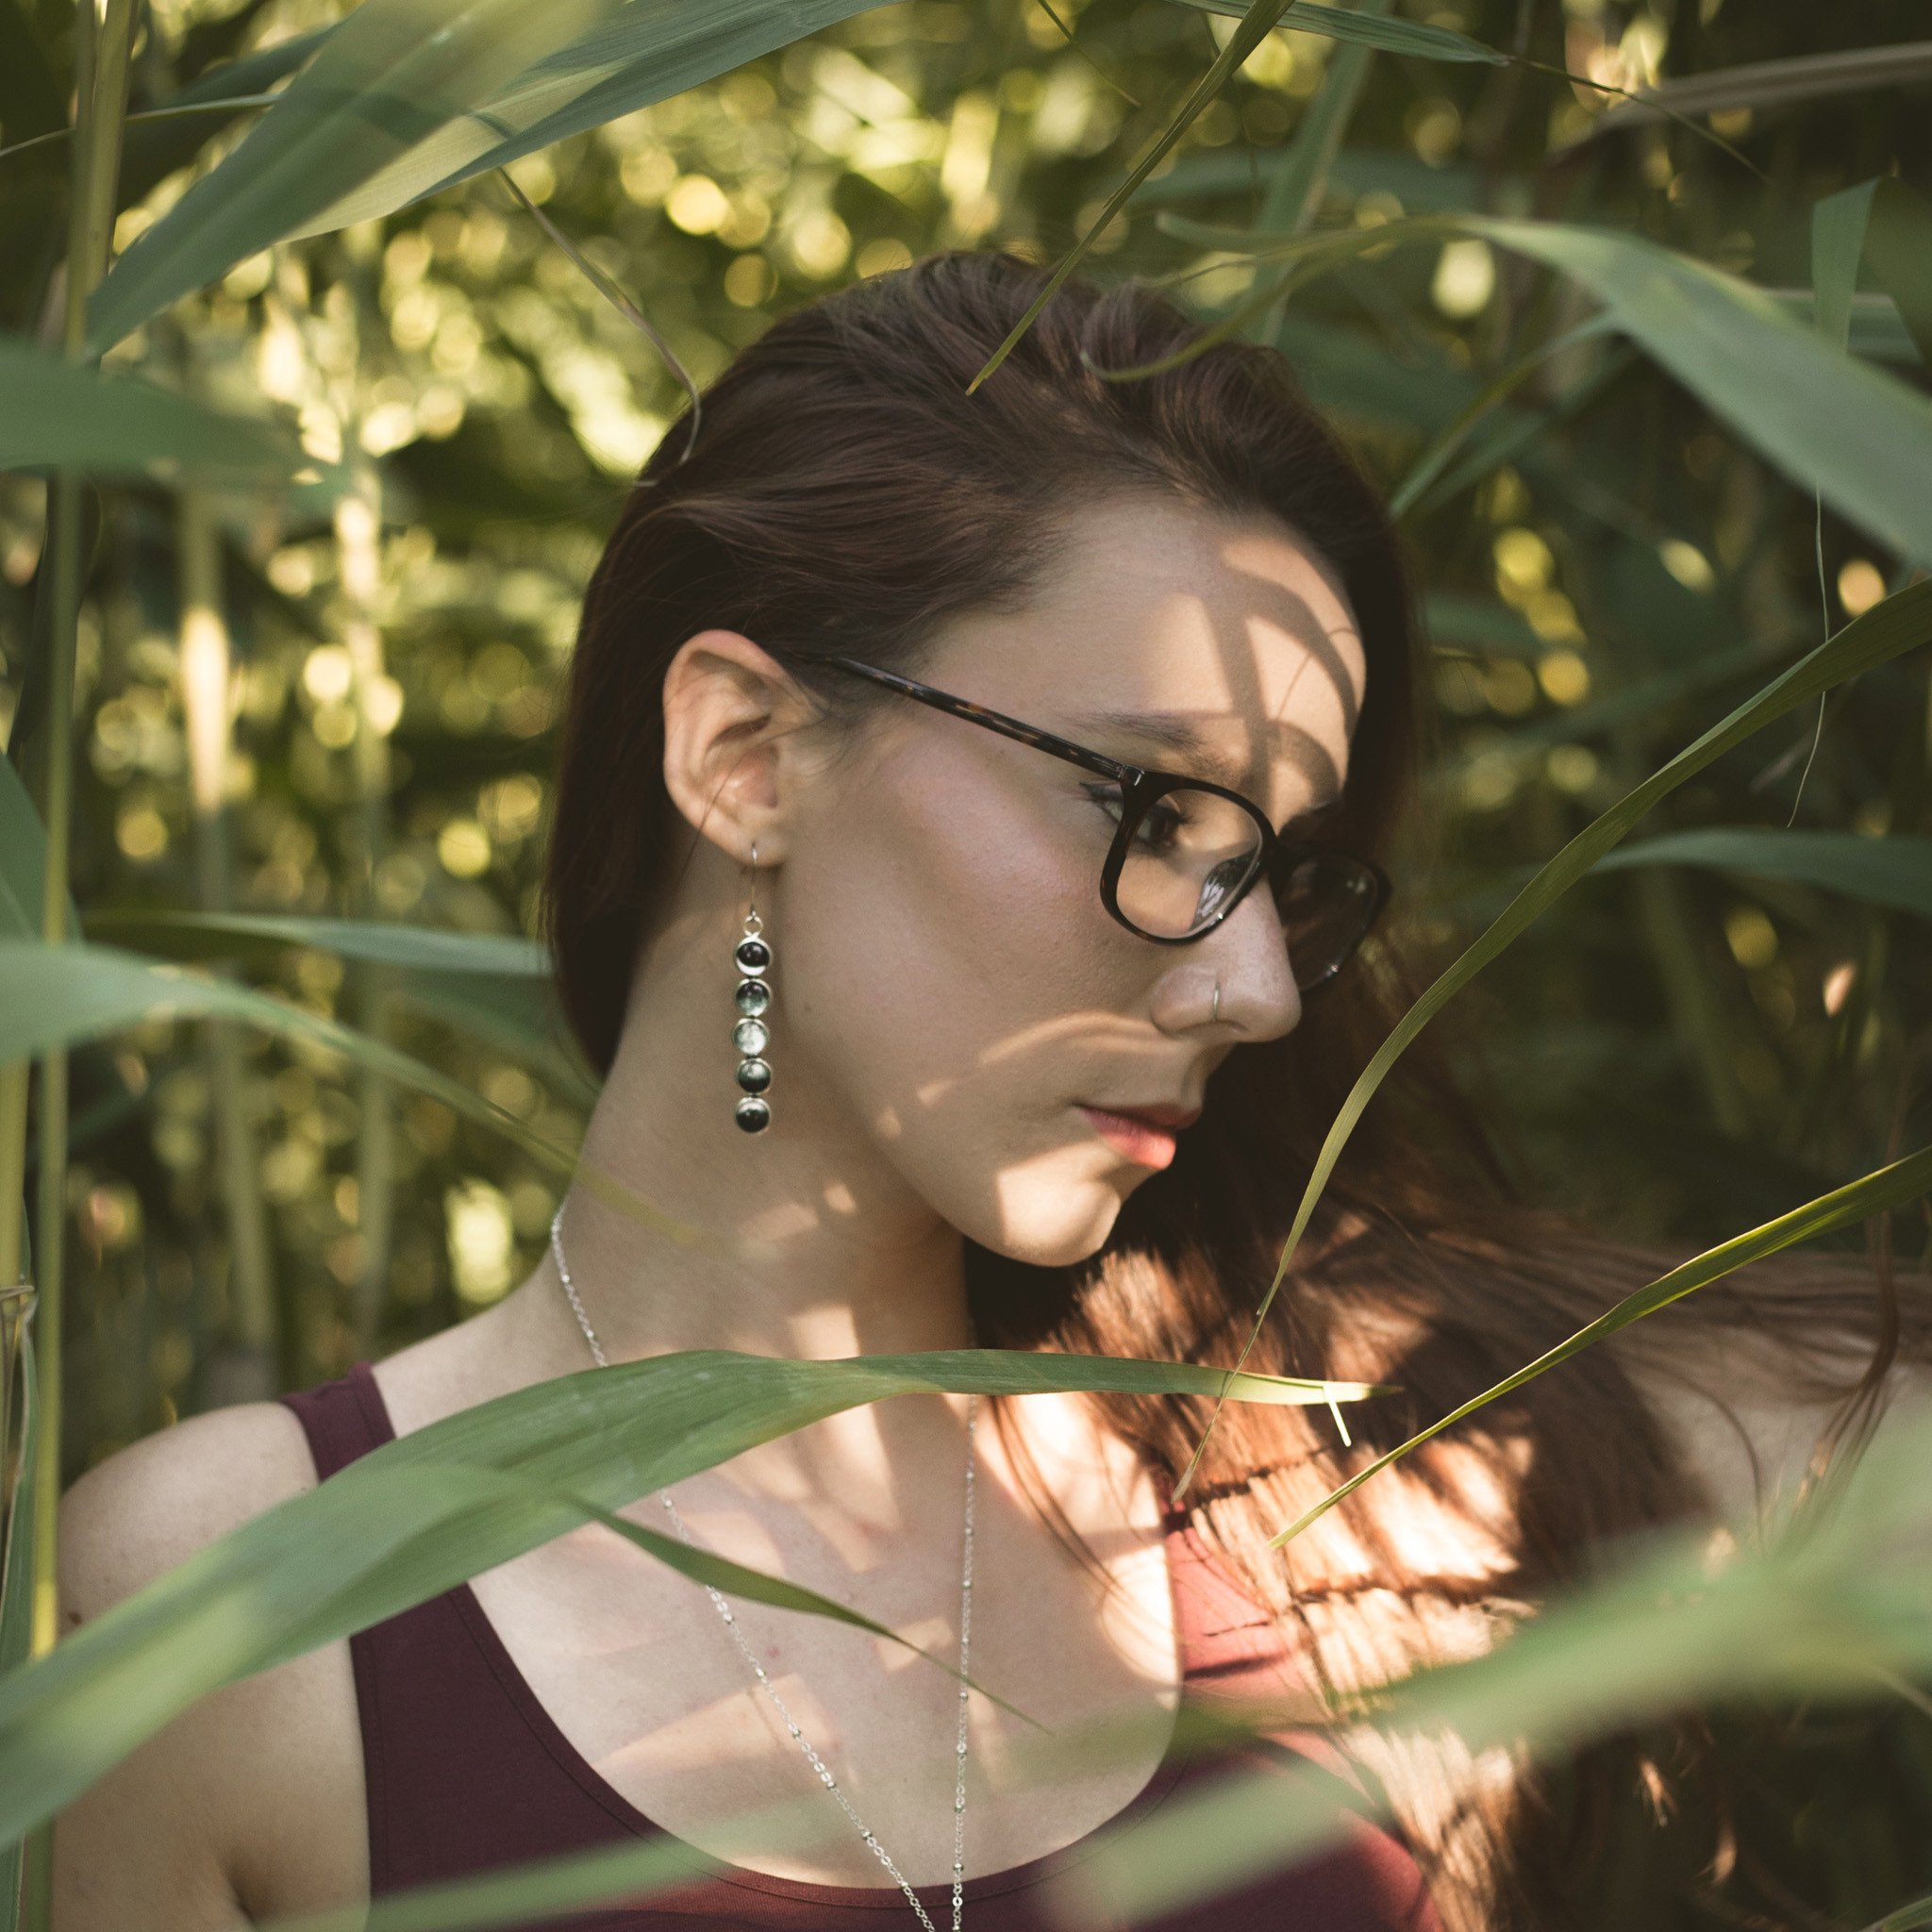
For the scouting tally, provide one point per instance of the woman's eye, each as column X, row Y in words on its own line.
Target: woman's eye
column 1108, row 798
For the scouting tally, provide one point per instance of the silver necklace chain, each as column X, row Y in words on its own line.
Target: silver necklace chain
column 771, row 1690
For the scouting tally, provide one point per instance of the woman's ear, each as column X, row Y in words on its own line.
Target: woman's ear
column 732, row 759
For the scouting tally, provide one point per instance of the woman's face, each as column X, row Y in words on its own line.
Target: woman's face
column 953, row 983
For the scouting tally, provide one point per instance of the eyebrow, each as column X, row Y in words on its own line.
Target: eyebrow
column 1172, row 731
column 1199, row 754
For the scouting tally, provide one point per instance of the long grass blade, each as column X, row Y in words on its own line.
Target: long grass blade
column 1860, row 438
column 1771, row 84
column 51, row 997
column 647, row 51
column 1872, row 1193
column 1832, row 1612
column 57, row 413
column 1901, row 623
column 387, row 78
column 396, row 1526
column 1894, row 872
column 1260, row 19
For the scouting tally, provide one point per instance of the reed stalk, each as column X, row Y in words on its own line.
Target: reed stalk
column 358, row 556
column 102, row 48
column 102, row 43
column 252, row 1369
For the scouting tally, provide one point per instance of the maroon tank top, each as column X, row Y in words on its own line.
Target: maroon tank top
column 466, row 1771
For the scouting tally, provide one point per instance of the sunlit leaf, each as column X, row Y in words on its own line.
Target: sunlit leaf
column 414, row 1517
column 52, row 997
column 387, row 78
column 645, row 51
column 1835, row 1609
column 1375, row 30
column 59, row 414
column 1901, row 623
column 1859, row 437
column 1872, row 1193
column 1772, row 83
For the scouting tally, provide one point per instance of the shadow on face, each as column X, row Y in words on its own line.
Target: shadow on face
column 956, row 988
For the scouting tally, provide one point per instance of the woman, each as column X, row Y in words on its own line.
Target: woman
column 896, row 959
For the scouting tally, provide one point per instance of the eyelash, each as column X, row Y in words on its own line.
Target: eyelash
column 1303, row 828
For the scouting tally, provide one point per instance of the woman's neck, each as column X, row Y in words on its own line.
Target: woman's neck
column 817, row 1248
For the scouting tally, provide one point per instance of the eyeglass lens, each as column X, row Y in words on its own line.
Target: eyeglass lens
column 1193, row 851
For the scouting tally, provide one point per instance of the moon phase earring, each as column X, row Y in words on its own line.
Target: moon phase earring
column 752, row 957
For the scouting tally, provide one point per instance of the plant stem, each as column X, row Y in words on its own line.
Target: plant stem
column 1295, row 191
column 358, row 533
column 102, row 46
column 253, row 1372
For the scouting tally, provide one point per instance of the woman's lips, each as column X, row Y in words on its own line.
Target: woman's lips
column 1140, row 1140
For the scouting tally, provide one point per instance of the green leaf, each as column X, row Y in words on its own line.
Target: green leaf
column 1834, row 1607
column 647, row 51
column 1898, row 244
column 1838, row 240
column 490, row 986
column 55, row 415
column 222, row 935
column 1372, row 30
column 1257, row 21
column 1770, row 84
column 1907, row 1918
column 416, row 1516
column 1860, row 438
column 1901, row 623
column 1896, row 872
column 1889, row 226
column 52, row 997
column 23, row 859
column 1872, row 1193
column 1857, row 435
column 387, row 78
column 1294, row 191
column 1879, row 330
column 1434, row 459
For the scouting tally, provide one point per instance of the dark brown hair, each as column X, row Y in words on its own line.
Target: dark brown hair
column 844, row 493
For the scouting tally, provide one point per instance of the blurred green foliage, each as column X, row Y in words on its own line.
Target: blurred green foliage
column 1675, row 1051
column 1684, row 1047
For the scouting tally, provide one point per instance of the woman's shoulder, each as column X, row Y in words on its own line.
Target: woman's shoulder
column 155, row 1502
column 1748, row 1425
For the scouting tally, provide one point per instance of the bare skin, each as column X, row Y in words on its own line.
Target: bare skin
column 948, row 987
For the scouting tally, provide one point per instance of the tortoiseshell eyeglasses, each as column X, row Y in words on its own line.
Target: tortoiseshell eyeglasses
column 1186, row 852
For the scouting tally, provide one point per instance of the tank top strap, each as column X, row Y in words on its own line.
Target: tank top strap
column 342, row 1419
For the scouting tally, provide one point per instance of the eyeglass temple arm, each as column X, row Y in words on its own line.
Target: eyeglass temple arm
column 994, row 721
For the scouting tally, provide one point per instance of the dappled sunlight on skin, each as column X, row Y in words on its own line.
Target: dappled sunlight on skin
column 948, row 990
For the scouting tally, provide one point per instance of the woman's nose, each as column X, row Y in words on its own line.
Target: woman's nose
column 1247, row 954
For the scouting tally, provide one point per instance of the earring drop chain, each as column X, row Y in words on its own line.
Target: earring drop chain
column 750, row 1035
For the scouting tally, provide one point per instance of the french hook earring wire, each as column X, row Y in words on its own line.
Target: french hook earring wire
column 751, row 1036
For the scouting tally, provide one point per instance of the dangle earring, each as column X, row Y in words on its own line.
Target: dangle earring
column 751, row 1036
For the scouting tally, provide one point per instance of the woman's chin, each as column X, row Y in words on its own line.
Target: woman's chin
column 1061, row 1227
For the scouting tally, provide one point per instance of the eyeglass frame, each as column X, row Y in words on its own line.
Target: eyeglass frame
column 1143, row 786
